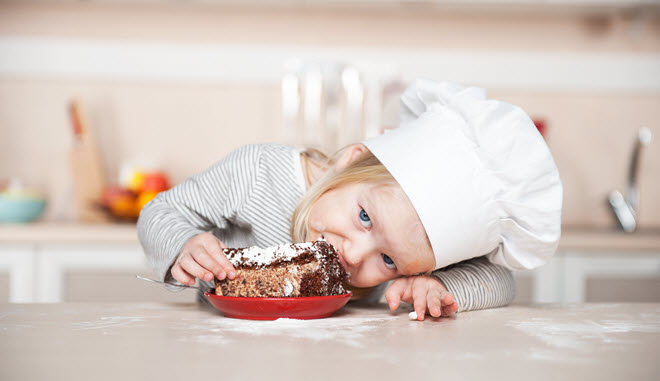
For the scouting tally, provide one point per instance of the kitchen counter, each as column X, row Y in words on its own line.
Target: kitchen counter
column 50, row 232
column 40, row 257
column 65, row 233
column 609, row 239
column 168, row 341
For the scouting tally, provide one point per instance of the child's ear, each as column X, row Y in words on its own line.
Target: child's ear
column 349, row 154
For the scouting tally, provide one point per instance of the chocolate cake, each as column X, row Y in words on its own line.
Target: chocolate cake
column 291, row 270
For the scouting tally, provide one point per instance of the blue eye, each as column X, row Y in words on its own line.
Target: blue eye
column 364, row 219
column 388, row 261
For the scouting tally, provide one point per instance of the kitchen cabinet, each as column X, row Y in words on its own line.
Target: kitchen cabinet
column 594, row 265
column 52, row 263
column 47, row 263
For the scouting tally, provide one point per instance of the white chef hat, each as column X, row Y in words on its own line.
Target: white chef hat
column 478, row 173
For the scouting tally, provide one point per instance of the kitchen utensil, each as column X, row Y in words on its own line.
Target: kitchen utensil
column 310, row 307
column 86, row 167
column 171, row 284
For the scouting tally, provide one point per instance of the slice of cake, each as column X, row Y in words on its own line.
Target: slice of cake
column 291, row 270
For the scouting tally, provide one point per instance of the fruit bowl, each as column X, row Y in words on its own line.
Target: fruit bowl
column 20, row 208
column 123, row 202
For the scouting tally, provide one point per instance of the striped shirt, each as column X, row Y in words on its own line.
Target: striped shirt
column 248, row 199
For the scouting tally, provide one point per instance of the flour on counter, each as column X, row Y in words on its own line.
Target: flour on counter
column 348, row 331
column 582, row 334
column 108, row 322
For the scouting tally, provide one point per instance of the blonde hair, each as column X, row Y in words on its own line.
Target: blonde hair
column 364, row 169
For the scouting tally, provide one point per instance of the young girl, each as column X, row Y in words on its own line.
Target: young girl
column 464, row 191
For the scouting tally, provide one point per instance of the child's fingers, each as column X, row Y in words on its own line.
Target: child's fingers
column 433, row 302
column 419, row 294
column 449, row 310
column 206, row 250
column 179, row 274
column 447, row 299
column 214, row 248
column 394, row 293
column 441, row 303
column 210, row 264
column 189, row 265
column 434, row 307
column 420, row 308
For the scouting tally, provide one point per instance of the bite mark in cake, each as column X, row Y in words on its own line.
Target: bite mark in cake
column 290, row 270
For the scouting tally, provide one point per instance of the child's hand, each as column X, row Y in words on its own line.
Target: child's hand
column 202, row 257
column 422, row 292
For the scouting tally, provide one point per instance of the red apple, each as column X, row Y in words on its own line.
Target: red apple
column 155, row 182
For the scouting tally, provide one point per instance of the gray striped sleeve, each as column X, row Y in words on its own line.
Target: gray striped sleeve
column 202, row 202
column 478, row 284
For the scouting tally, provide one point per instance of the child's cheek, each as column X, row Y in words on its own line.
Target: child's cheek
column 316, row 225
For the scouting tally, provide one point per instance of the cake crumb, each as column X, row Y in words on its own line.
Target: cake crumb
column 288, row 288
column 412, row 315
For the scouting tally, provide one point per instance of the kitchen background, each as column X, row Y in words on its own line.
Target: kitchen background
column 176, row 85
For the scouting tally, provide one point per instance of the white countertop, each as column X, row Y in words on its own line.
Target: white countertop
column 50, row 232
column 184, row 341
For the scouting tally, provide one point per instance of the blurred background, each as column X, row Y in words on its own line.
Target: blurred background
column 105, row 103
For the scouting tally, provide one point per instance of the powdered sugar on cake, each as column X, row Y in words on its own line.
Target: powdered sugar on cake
column 256, row 256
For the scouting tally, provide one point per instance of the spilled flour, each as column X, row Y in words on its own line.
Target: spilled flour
column 348, row 331
column 583, row 334
column 107, row 322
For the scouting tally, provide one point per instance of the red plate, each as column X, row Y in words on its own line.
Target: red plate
column 309, row 307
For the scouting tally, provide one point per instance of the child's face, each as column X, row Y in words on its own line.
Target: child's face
column 375, row 230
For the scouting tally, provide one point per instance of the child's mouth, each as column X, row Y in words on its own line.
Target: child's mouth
column 342, row 262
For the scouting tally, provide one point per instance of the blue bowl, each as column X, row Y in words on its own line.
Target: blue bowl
column 20, row 208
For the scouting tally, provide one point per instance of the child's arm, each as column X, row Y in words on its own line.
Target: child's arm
column 478, row 284
column 168, row 224
column 469, row 285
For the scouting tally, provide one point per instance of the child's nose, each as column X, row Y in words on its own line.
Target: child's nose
column 352, row 259
column 356, row 252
